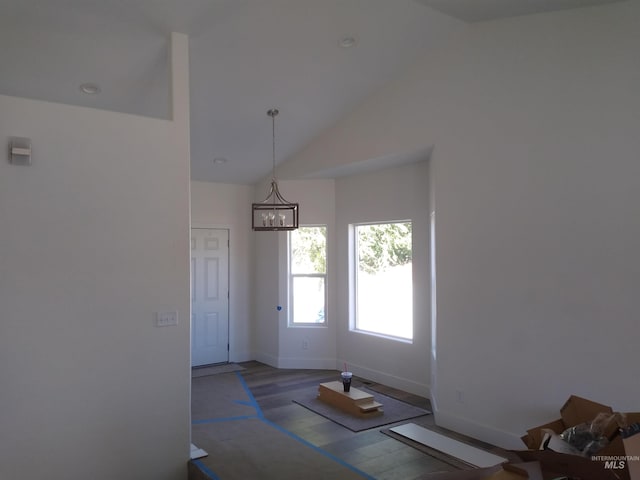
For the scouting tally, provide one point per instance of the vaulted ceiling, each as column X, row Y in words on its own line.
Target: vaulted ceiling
column 313, row 59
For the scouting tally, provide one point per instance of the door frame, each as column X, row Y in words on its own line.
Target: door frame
column 229, row 229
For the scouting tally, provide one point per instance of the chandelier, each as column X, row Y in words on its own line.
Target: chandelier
column 274, row 213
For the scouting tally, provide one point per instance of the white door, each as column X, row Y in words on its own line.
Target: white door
column 209, row 296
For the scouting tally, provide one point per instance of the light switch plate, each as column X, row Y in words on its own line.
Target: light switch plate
column 20, row 150
column 166, row 319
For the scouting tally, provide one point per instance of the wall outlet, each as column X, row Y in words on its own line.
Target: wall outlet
column 305, row 344
column 459, row 396
column 166, row 319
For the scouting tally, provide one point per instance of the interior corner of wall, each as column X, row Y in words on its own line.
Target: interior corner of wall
column 486, row 433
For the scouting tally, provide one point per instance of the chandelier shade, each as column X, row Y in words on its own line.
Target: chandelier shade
column 274, row 213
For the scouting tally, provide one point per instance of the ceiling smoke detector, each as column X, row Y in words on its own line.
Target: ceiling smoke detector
column 90, row 88
column 347, row 41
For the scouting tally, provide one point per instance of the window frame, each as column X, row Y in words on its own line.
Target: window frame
column 354, row 288
column 291, row 323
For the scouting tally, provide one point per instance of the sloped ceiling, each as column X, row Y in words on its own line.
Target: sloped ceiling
column 483, row 10
column 246, row 57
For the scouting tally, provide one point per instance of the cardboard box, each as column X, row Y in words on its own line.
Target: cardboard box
column 555, row 465
column 631, row 442
column 575, row 411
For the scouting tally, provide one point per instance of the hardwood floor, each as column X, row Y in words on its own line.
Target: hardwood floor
column 378, row 455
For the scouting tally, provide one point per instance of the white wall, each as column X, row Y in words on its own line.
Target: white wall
column 534, row 226
column 94, row 241
column 266, row 287
column 317, row 207
column 393, row 194
column 276, row 343
column 536, row 133
column 267, row 297
column 219, row 205
column 389, row 194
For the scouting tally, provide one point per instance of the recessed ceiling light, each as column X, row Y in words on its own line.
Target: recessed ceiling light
column 219, row 160
column 90, row 88
column 347, row 41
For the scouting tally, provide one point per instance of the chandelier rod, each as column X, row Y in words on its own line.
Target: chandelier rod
column 272, row 113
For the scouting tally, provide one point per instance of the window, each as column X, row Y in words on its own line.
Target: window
column 308, row 275
column 383, row 284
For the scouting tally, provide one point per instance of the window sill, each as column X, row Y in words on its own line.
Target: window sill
column 307, row 325
column 408, row 341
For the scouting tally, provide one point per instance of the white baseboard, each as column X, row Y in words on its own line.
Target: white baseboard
column 267, row 359
column 388, row 379
column 237, row 357
column 479, row 431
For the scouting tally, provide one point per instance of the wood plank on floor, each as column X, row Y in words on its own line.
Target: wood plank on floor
column 462, row 451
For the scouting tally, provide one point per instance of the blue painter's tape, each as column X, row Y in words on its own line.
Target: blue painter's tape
column 206, row 470
column 244, row 402
column 252, row 401
column 223, row 419
column 260, row 415
column 318, row 449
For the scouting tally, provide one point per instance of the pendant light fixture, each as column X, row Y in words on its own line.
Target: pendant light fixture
column 274, row 213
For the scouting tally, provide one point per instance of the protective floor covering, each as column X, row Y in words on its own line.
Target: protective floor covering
column 242, row 444
column 394, row 410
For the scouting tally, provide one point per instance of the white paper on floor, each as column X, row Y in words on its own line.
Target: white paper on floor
column 468, row 454
column 197, row 452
